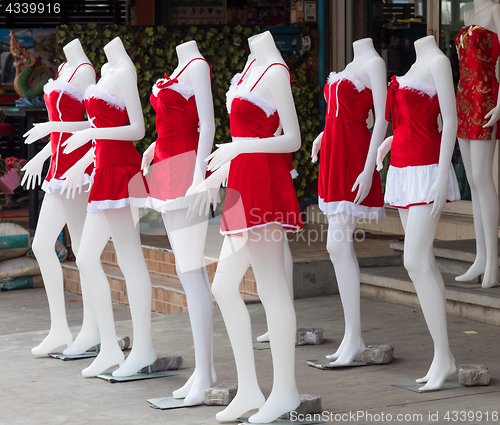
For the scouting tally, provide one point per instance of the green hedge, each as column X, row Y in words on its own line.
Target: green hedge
column 152, row 49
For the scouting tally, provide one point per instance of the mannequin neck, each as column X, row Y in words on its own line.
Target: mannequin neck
column 426, row 48
column 265, row 50
column 187, row 51
column 250, row 45
column 363, row 48
column 74, row 53
column 116, row 53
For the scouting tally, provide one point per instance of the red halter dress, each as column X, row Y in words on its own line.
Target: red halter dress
column 344, row 148
column 413, row 107
column 477, row 93
column 260, row 189
column 117, row 179
column 177, row 124
column 64, row 103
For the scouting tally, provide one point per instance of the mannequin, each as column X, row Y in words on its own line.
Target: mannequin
column 362, row 84
column 420, row 151
column 64, row 98
column 176, row 168
column 258, row 104
column 118, row 187
column 477, row 140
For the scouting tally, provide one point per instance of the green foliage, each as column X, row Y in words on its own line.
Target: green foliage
column 152, row 49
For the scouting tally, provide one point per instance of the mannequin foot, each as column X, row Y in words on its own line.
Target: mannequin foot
column 242, row 403
column 104, row 361
column 348, row 353
column 83, row 342
column 275, row 406
column 196, row 394
column 440, row 370
column 263, row 338
column 490, row 277
column 53, row 340
column 337, row 353
column 136, row 360
column 477, row 268
column 184, row 390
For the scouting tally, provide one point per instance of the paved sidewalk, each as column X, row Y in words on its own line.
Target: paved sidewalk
column 47, row 391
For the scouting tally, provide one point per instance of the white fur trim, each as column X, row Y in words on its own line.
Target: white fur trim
column 294, row 173
column 59, row 85
column 94, row 91
column 54, row 186
column 238, row 92
column 180, row 87
column 346, row 75
column 411, row 185
column 286, row 227
column 416, row 85
column 164, row 206
column 111, row 204
column 235, row 80
column 355, row 210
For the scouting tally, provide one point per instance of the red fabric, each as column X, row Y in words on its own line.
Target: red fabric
column 345, row 144
column 414, row 116
column 117, row 162
column 260, row 189
column 477, row 92
column 63, row 107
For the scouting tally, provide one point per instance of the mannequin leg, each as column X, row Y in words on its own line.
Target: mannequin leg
column 266, row 250
column 75, row 210
column 94, row 238
column 130, row 258
column 50, row 223
column 478, row 160
column 289, row 281
column 188, row 243
column 420, row 228
column 230, row 270
column 341, row 249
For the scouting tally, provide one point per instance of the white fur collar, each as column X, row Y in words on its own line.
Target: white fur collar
column 416, row 85
column 252, row 97
column 63, row 86
column 94, row 91
column 346, row 75
column 180, row 87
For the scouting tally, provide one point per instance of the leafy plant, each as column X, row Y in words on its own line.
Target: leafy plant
column 152, row 49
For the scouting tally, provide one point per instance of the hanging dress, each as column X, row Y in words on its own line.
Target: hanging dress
column 344, row 148
column 260, row 189
column 413, row 107
column 64, row 104
column 117, row 181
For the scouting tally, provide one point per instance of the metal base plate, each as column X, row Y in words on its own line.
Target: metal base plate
column 137, row 377
column 284, row 421
column 166, row 403
column 261, row 345
column 413, row 386
column 86, row 355
column 327, row 366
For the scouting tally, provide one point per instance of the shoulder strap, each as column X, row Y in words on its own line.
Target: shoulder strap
column 85, row 63
column 246, row 70
column 203, row 59
column 60, row 69
column 277, row 63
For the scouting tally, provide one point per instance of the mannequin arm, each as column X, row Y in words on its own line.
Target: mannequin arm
column 494, row 114
column 74, row 176
column 127, row 82
column 206, row 193
column 41, row 130
column 441, row 72
column 147, row 158
column 33, row 169
column 199, row 74
column 316, row 147
column 376, row 73
column 276, row 81
column 382, row 151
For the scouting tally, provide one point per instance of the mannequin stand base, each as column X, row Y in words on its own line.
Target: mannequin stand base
column 136, row 377
column 165, row 403
column 414, row 386
column 327, row 366
column 88, row 354
column 289, row 421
